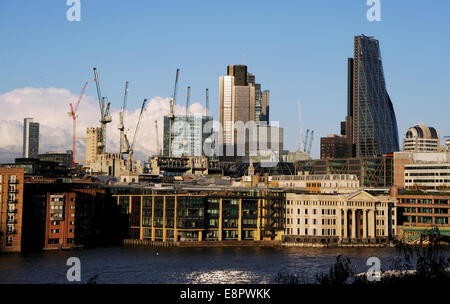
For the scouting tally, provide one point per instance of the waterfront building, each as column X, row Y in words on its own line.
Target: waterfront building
column 371, row 118
column 198, row 214
column 68, row 214
column 11, row 209
column 374, row 172
column 345, row 218
column 421, row 138
column 420, row 211
column 30, row 138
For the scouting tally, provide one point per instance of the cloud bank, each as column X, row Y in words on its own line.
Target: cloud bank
column 50, row 107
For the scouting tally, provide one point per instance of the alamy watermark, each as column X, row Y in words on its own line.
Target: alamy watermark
column 74, row 11
column 374, row 12
column 74, row 272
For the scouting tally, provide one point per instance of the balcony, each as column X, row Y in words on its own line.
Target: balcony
column 13, row 191
column 11, row 221
column 12, row 211
column 10, row 201
column 11, row 232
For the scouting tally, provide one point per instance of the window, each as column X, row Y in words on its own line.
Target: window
column 9, row 241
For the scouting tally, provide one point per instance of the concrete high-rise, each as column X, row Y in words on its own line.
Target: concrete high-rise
column 371, row 118
column 30, row 138
column 92, row 144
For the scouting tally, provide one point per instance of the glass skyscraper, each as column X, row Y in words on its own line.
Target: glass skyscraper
column 373, row 126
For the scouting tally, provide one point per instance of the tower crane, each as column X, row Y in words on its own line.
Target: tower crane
column 73, row 114
column 131, row 150
column 105, row 118
column 171, row 114
column 124, row 144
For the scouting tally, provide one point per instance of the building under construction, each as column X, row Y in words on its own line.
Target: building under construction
column 202, row 213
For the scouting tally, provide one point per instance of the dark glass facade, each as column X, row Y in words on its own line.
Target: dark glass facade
column 374, row 123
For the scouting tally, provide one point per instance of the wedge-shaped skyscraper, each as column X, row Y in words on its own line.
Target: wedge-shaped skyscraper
column 371, row 119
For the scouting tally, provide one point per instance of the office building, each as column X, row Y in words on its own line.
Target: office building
column 30, row 138
column 401, row 159
column 188, row 135
column 435, row 176
column 62, row 159
column 420, row 211
column 11, row 209
column 358, row 217
column 421, row 138
column 335, row 146
column 371, row 120
column 198, row 214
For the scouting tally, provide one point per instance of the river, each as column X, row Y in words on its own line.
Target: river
column 184, row 265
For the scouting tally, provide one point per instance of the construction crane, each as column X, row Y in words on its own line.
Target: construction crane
column 73, row 114
column 207, row 102
column 105, row 118
column 171, row 114
column 158, row 150
column 131, row 150
column 124, row 144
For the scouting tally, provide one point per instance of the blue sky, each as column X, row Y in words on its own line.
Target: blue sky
column 296, row 49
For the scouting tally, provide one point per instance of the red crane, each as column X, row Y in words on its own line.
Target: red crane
column 73, row 113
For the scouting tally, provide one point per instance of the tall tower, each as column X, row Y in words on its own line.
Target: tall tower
column 30, row 138
column 374, row 127
column 92, row 142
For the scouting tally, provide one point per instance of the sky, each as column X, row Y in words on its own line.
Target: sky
column 296, row 49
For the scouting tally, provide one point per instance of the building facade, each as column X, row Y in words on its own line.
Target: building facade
column 188, row 135
column 330, row 183
column 373, row 172
column 92, row 144
column 401, row 159
column 352, row 218
column 197, row 215
column 63, row 159
column 420, row 211
column 11, row 209
column 373, row 121
column 30, row 138
column 421, row 138
column 435, row 176
column 335, row 146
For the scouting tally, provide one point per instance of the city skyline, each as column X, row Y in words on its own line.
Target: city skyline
column 288, row 77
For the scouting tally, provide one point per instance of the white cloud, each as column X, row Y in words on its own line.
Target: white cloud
column 50, row 107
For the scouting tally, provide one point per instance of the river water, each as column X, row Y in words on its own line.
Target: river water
column 184, row 265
